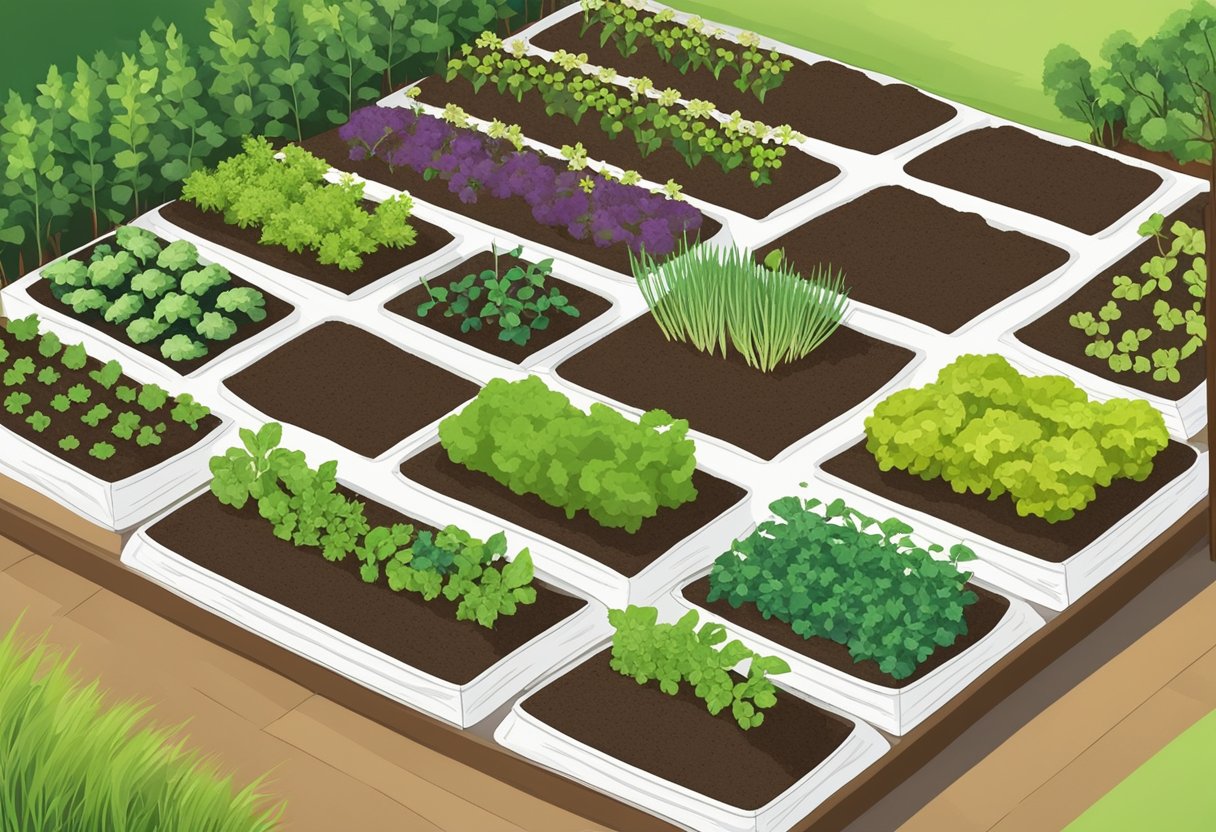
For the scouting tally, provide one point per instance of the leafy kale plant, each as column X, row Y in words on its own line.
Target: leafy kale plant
column 532, row 440
column 515, row 300
column 829, row 571
column 670, row 654
column 983, row 427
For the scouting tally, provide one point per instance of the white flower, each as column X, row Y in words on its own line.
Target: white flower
column 518, row 47
column 750, row 39
column 699, row 108
column 669, row 97
column 455, row 115
column 606, row 74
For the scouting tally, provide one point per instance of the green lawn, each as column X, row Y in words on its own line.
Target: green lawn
column 1172, row 791
column 988, row 55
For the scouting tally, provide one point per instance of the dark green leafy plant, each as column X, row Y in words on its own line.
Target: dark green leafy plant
column 829, row 571
column 670, row 654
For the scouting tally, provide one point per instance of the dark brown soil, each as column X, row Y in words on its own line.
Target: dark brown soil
column 763, row 413
column 276, row 310
column 799, row 173
column 211, row 226
column 981, row 617
column 617, row 549
column 1052, row 334
column 589, row 305
column 511, row 215
column 825, row 100
column 350, row 386
column 130, row 458
column 1069, row 185
column 422, row 634
column 677, row 739
column 913, row 256
column 998, row 520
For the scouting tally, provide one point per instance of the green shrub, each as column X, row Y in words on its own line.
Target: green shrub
column 831, row 572
column 71, row 764
column 709, row 297
column 295, row 207
column 532, row 440
column 985, row 428
column 647, row 651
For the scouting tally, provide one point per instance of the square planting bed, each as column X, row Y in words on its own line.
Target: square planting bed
column 590, row 306
column 351, row 387
column 378, row 267
column 799, row 174
column 409, row 649
column 637, row 366
column 670, row 756
column 1073, row 186
column 512, row 216
column 1052, row 564
column 909, row 255
column 1183, row 401
column 119, row 492
column 824, row 100
column 609, row 563
column 823, row 669
column 278, row 313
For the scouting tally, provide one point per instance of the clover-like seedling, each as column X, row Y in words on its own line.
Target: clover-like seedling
column 15, row 403
column 61, row 403
column 95, row 415
column 48, row 376
column 24, row 329
column 79, row 394
column 102, row 450
column 75, row 357
column 69, row 443
column 152, row 397
column 39, row 421
column 108, row 375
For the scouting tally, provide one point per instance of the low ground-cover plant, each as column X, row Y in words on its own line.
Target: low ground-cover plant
column 306, row 507
column 985, row 428
column 36, row 365
column 514, row 300
column 532, row 440
column 73, row 764
column 670, row 654
column 572, row 89
column 1179, row 334
column 709, row 297
column 587, row 206
column 688, row 46
column 295, row 207
column 159, row 293
column 829, row 571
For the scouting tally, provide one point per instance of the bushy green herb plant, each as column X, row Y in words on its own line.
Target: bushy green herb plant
column 670, row 654
column 514, row 300
column 532, row 440
column 162, row 294
column 293, row 205
column 709, row 297
column 985, row 428
column 831, row 572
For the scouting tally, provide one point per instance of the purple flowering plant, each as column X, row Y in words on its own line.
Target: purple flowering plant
column 474, row 165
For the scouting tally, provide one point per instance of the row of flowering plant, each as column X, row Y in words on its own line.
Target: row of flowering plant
column 588, row 206
column 689, row 46
column 572, row 88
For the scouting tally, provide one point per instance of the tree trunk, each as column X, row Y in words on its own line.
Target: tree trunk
column 1210, row 347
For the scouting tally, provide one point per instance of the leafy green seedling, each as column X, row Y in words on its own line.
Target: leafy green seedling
column 102, row 450
column 79, row 393
column 152, row 283
column 24, row 329
column 182, row 348
column 152, row 397
column 126, row 425
column 125, row 308
column 112, row 271
column 125, row 394
column 148, row 436
column 178, row 256
column 48, row 376
column 49, row 345
column 69, row 443
column 16, row 374
column 140, row 243
column 216, row 327
column 61, row 403
column 774, row 259
column 201, row 281
column 75, row 357
column 108, row 375
column 143, row 330
column 243, row 299
column 188, row 412
column 86, row 300
column 175, row 307
column 15, row 403
column 39, row 421
column 95, row 415
column 67, row 273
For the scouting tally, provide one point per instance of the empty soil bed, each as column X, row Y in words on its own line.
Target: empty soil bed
column 1052, row 334
column 798, row 175
column 347, row 385
column 1073, row 186
column 998, row 519
column 617, row 549
column 589, row 305
column 982, row 617
column 211, row 226
column 512, row 216
column 677, row 739
column 423, row 634
column 763, row 413
column 129, row 458
column 824, row 99
column 912, row 256
column 276, row 310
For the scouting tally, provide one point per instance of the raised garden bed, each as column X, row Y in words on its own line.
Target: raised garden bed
column 350, row 386
column 893, row 244
column 637, row 366
column 1073, row 186
column 825, row 100
column 589, row 305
